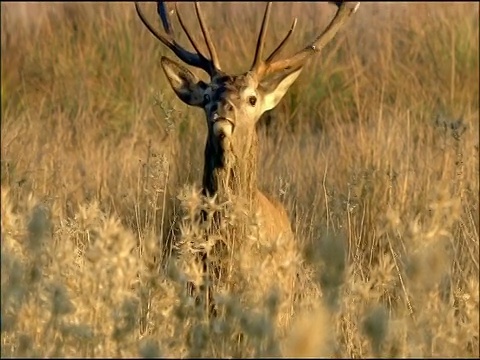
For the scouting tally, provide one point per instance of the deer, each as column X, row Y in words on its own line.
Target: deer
column 233, row 104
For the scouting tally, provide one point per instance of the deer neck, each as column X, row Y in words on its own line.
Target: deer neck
column 231, row 168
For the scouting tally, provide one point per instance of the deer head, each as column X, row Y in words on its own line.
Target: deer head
column 234, row 103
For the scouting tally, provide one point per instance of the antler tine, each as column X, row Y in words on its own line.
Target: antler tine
column 282, row 43
column 206, row 36
column 257, row 60
column 342, row 15
column 167, row 41
column 193, row 59
column 184, row 28
column 163, row 13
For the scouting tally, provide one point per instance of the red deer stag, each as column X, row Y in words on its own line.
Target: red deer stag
column 233, row 104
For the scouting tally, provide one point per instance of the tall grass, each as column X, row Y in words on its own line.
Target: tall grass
column 374, row 153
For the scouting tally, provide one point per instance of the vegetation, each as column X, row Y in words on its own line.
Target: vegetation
column 374, row 152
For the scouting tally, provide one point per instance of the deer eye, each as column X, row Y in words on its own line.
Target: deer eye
column 206, row 98
column 252, row 100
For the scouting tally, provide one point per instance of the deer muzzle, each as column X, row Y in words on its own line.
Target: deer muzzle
column 223, row 127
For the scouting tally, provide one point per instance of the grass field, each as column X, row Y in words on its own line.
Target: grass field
column 374, row 152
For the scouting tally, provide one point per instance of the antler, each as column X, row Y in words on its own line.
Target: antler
column 262, row 68
column 197, row 59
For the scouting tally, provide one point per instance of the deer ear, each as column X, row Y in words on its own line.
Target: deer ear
column 273, row 88
column 186, row 85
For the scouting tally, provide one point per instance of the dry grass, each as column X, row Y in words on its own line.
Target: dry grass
column 374, row 151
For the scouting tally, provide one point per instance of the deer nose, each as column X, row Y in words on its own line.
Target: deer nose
column 223, row 129
column 222, row 126
column 216, row 117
